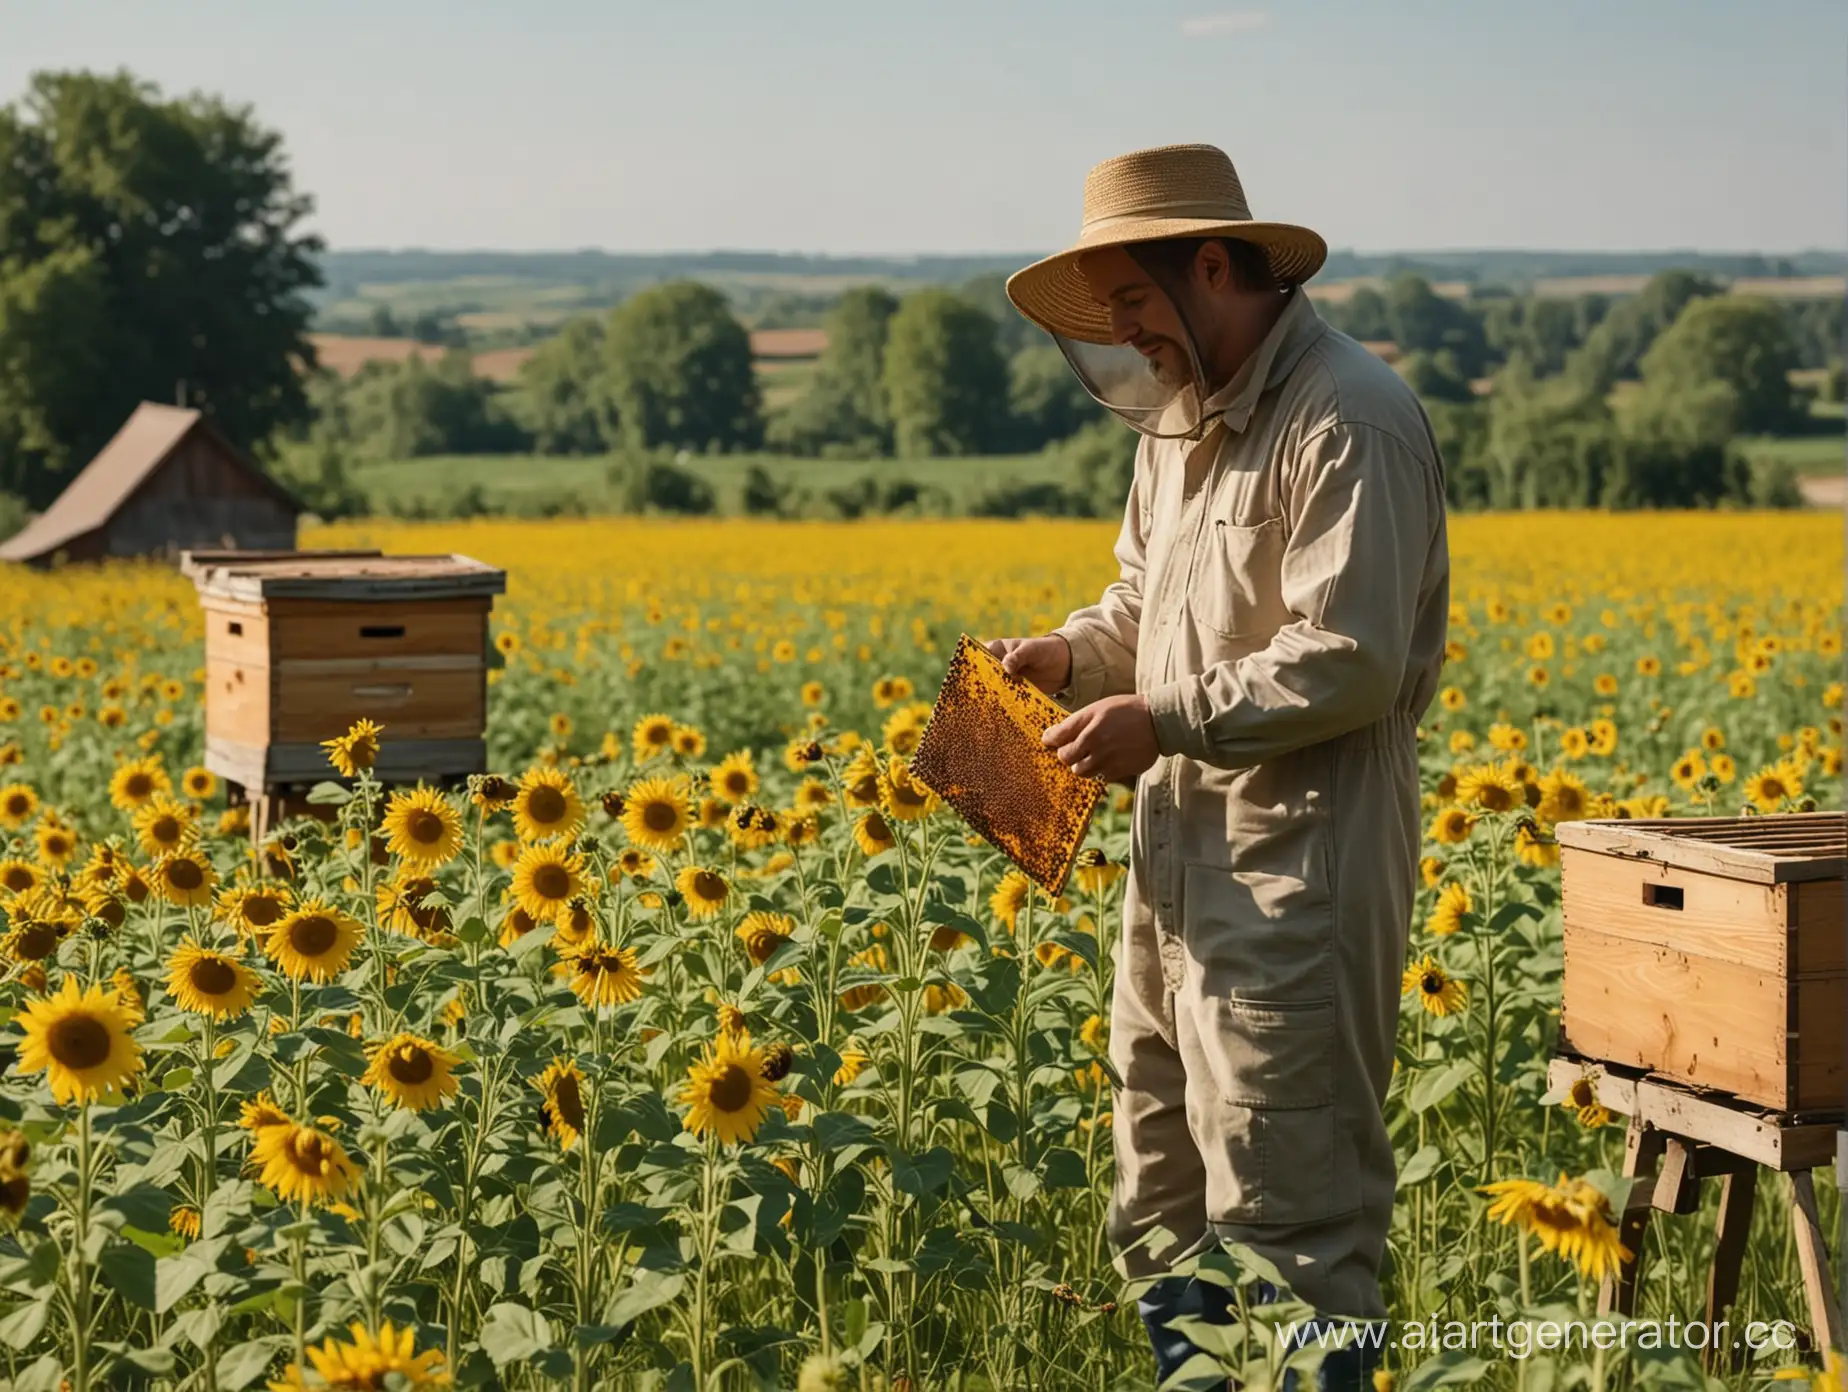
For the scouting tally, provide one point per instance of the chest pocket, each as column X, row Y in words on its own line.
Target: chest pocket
column 1238, row 582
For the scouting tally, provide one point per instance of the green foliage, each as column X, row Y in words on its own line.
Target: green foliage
column 1364, row 315
column 1613, row 351
column 560, row 398
column 945, row 382
column 1423, row 320
column 406, row 409
column 1549, row 442
column 1436, row 376
column 148, row 243
column 1740, row 341
column 845, row 405
column 679, row 371
column 1835, row 385
column 315, row 471
column 14, row 514
column 1462, row 430
column 1045, row 398
column 655, row 481
column 1014, row 332
column 1100, row 462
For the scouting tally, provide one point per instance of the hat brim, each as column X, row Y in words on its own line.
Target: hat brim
column 1053, row 294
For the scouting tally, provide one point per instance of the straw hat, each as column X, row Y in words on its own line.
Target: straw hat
column 1146, row 195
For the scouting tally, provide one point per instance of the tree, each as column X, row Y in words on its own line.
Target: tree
column 1436, row 376
column 405, row 409
column 844, row 405
column 1423, row 320
column 1364, row 315
column 149, row 248
column 679, row 370
column 1613, row 351
column 1549, row 442
column 1014, row 332
column 1045, row 398
column 1678, row 446
column 945, row 382
column 561, row 397
column 1741, row 341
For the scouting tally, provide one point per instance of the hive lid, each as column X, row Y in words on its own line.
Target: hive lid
column 981, row 753
column 1773, row 849
column 341, row 575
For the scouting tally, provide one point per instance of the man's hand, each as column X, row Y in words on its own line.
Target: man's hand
column 1046, row 662
column 1112, row 739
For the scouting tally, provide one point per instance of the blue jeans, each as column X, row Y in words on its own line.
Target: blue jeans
column 1348, row 1368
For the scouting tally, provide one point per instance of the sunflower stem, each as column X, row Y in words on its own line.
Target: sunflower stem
column 80, row 1263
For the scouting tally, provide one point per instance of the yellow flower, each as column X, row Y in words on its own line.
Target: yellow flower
column 413, row 1072
column 254, row 908
column 655, row 814
column 902, row 796
column 1452, row 826
column 1452, row 903
column 185, row 878
column 1436, row 992
column 316, row 942
column 726, row 1092
column 853, row 1063
column 367, row 1361
column 400, row 902
column 301, row 1164
column 545, row 879
column 1492, row 787
column 603, row 975
column 1563, row 798
column 163, row 825
column 1094, row 873
column 688, row 741
column 205, row 982
column 734, row 778
column 546, row 805
column 82, row 1040
column 703, row 891
column 653, row 735
column 137, row 782
column 1011, row 895
column 561, row 1090
column 422, row 826
column 763, row 932
column 56, row 843
column 199, row 783
column 1535, row 848
column 873, row 834
column 18, row 802
column 1094, row 1033
column 1772, row 786
column 356, row 750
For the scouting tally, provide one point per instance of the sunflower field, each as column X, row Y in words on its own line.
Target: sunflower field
column 695, row 1045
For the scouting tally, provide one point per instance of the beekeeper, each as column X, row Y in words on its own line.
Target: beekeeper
column 1258, row 671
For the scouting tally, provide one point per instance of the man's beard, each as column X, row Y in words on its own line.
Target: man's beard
column 1174, row 378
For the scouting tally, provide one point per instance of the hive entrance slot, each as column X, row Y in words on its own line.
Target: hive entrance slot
column 381, row 630
column 235, row 629
column 1661, row 896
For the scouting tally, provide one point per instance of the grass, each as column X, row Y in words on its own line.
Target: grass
column 518, row 482
column 1809, row 455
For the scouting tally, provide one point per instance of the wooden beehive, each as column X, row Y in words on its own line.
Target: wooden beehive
column 1710, row 951
column 299, row 645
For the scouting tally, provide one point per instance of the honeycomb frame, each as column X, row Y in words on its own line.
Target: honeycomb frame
column 981, row 753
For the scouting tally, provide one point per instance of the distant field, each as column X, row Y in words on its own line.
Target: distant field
column 778, row 350
column 1812, row 455
column 510, row 479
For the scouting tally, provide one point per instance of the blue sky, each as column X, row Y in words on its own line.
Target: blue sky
column 967, row 125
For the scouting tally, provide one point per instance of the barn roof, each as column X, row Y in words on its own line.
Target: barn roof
column 135, row 451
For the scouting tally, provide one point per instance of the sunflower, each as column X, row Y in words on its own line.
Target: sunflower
column 545, row 878
column 547, row 805
column 15, row 1174
column 853, row 1063
column 1453, row 698
column 1563, row 798
column 1603, row 736
column 1535, row 848
column 199, row 783
column 301, row 1164
column 635, row 863
column 904, row 729
column 315, row 941
column 138, row 782
column 688, row 742
column 1772, row 786
column 1461, row 741
column 81, row 1039
column 356, row 750
column 903, row 798
column 1010, row 897
column 812, row 795
column 860, row 781
column 1436, row 991
column 254, row 908
column 1687, row 770
column 422, row 827
column 605, row 975
column 704, row 891
column 653, row 735
column 561, row 1087
column 56, row 843
column 1492, row 787
column 726, row 1092
column 401, row 907
column 560, row 725
column 367, row 1361
column 576, row 925
column 763, row 932
column 185, row 878
column 18, row 802
column 1452, row 903
column 412, row 1071
column 204, row 982
column 873, row 834
column 734, row 778
column 163, row 825
column 1094, row 872
column 490, row 792
column 1574, row 743
column 34, row 936
column 20, row 876
column 655, row 814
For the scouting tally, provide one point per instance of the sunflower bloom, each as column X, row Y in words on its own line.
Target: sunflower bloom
column 872, row 833
column 653, row 735
column 18, row 803
column 137, row 782
column 185, row 878
column 1436, row 992
column 655, row 813
column 204, row 982
column 315, row 942
column 1447, row 916
column 422, row 827
column 704, row 891
column 82, row 1040
column 302, row 1165
column 902, row 796
column 726, row 1092
column 163, row 826
column 412, row 1071
column 368, row 1360
column 603, row 975
column 356, row 750
column 546, row 805
column 545, row 879
column 561, row 1089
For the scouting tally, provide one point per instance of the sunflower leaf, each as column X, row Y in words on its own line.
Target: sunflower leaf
column 142, row 1206
column 130, row 1270
column 1435, row 1085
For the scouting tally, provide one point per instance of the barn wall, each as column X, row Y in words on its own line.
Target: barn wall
column 201, row 496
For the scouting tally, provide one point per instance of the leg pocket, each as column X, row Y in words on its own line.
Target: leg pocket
column 1265, row 1117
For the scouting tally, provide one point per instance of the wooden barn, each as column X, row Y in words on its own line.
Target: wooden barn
column 167, row 482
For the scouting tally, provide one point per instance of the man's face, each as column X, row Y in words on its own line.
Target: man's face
column 1141, row 314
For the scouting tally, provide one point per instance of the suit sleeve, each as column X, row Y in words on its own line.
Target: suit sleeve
column 1103, row 636
column 1362, row 507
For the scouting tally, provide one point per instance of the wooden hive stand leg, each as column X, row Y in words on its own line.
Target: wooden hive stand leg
column 1738, row 1193
column 1642, row 1150
column 1813, row 1258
